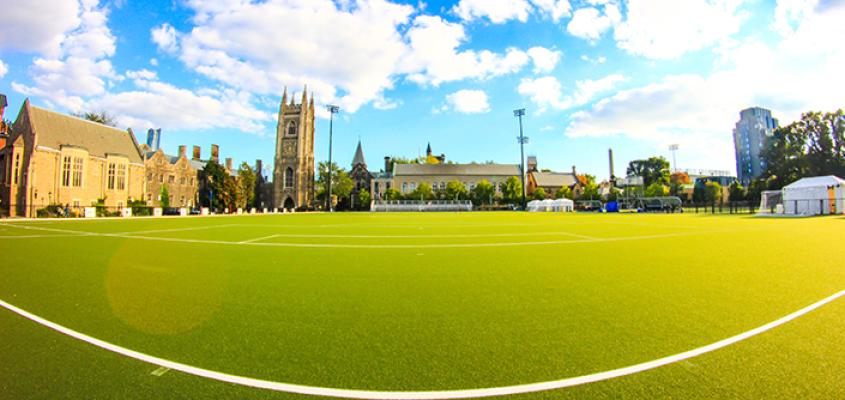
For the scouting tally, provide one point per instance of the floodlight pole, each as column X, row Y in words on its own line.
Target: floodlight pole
column 674, row 148
column 332, row 111
column 522, row 140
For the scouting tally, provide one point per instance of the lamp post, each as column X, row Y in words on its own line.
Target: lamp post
column 332, row 110
column 522, row 141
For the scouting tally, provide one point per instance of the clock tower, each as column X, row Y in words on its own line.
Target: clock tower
column 293, row 174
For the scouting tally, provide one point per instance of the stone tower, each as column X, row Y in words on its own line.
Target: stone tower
column 293, row 174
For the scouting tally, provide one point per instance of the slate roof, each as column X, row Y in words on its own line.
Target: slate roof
column 456, row 169
column 359, row 156
column 55, row 130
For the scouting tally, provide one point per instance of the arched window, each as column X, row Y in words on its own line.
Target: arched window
column 289, row 178
column 292, row 129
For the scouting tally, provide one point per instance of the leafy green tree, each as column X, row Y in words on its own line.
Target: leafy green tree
column 246, row 183
column 483, row 192
column 363, row 200
column 512, row 192
column 230, row 193
column 811, row 146
column 215, row 179
column 341, row 182
column 653, row 169
column 100, row 117
column 164, row 197
column 736, row 192
column 392, row 194
column 712, row 192
column 564, row 193
column 613, row 194
column 656, row 189
column 456, row 191
column 590, row 191
column 539, row 194
column 422, row 192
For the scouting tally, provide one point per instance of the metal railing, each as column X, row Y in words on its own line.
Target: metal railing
column 420, row 205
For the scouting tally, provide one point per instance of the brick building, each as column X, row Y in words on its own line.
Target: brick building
column 52, row 158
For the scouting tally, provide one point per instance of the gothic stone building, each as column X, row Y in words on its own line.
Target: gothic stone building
column 359, row 174
column 293, row 175
column 52, row 158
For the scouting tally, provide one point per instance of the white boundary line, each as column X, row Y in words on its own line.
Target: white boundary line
column 257, row 239
column 421, row 395
column 369, row 246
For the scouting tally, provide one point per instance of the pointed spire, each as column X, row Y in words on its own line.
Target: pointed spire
column 285, row 96
column 305, row 95
column 359, row 156
column 428, row 149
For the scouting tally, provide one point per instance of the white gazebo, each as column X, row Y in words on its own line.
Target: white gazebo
column 558, row 205
column 819, row 195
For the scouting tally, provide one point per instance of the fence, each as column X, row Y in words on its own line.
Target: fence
column 729, row 207
column 417, row 205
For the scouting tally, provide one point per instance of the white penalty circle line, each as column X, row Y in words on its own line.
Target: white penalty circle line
column 421, row 395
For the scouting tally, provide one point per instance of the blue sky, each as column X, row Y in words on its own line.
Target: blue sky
column 632, row 75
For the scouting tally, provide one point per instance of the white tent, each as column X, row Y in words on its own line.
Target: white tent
column 558, row 205
column 818, row 195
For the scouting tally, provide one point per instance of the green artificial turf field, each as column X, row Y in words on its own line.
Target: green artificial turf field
column 424, row 302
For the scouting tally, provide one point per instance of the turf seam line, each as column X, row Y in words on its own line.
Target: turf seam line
column 422, row 395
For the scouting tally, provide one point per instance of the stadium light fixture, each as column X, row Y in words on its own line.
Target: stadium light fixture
column 673, row 148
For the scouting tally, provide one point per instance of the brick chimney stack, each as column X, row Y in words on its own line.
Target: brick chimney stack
column 229, row 164
column 259, row 168
column 196, row 155
column 183, row 151
column 387, row 165
column 215, row 153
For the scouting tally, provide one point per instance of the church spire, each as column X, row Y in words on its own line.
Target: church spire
column 305, row 96
column 359, row 156
column 428, row 150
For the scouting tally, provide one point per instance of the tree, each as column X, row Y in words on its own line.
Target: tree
column 656, row 189
column 483, row 192
column 811, row 146
column 215, row 179
column 539, row 194
column 99, row 117
column 363, row 200
column 246, row 183
column 392, row 194
column 341, row 182
column 230, row 193
column 712, row 192
column 512, row 192
column 680, row 178
column 164, row 198
column 422, row 192
column 613, row 194
column 564, row 193
column 456, row 191
column 736, row 192
column 653, row 169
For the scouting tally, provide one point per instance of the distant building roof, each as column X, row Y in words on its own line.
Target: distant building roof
column 55, row 130
column 554, row 179
column 195, row 164
column 456, row 169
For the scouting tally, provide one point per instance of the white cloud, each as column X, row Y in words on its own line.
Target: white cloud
column 37, row 26
column 800, row 73
column 596, row 60
column 166, row 38
column 556, row 9
column 497, row 11
column 3, row 69
column 667, row 29
column 141, row 74
column 544, row 60
column 154, row 62
column 589, row 23
column 468, row 101
column 158, row 104
column 81, row 67
column 547, row 92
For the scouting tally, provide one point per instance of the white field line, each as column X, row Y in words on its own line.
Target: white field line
column 33, row 228
column 38, row 236
column 422, row 395
column 195, row 228
column 374, row 246
column 455, row 236
column 258, row 239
